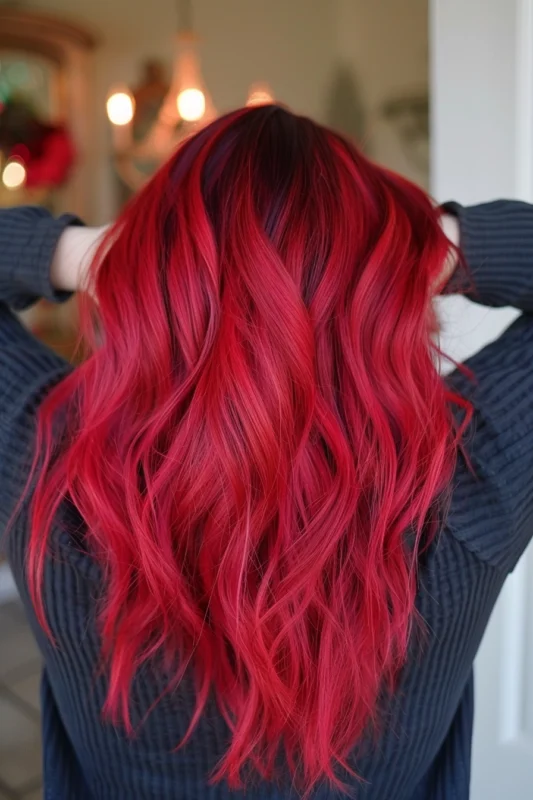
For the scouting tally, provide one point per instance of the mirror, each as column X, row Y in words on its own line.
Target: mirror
column 45, row 134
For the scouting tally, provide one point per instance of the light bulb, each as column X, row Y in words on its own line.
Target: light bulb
column 120, row 108
column 14, row 174
column 191, row 104
column 259, row 96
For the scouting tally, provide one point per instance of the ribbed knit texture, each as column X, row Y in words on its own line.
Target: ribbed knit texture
column 423, row 752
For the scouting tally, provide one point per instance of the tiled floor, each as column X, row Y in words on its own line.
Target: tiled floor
column 20, row 734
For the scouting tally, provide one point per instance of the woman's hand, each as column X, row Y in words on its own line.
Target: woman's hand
column 74, row 254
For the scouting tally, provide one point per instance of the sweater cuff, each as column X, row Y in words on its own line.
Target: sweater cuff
column 492, row 234
column 31, row 274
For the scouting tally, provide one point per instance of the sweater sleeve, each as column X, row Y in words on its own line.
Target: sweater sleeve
column 497, row 241
column 492, row 504
column 28, row 238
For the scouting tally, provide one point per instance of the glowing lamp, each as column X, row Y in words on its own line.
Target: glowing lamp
column 191, row 104
column 120, row 108
column 14, row 174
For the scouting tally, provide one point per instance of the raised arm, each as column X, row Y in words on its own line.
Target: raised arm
column 497, row 240
column 492, row 507
column 29, row 240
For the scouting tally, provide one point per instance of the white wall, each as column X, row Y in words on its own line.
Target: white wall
column 474, row 159
column 474, row 132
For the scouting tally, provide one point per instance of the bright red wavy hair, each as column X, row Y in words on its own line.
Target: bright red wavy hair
column 261, row 444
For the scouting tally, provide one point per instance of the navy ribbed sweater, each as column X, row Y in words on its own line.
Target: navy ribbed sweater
column 424, row 752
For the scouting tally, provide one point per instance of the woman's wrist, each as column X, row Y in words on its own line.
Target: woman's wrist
column 450, row 225
column 73, row 256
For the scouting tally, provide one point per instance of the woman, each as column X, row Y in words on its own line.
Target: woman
column 262, row 538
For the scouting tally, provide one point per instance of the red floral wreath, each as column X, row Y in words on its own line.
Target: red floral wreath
column 46, row 150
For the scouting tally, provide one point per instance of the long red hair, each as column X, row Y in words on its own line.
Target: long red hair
column 261, row 443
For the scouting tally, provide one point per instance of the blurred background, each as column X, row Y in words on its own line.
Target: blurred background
column 94, row 99
column 94, row 96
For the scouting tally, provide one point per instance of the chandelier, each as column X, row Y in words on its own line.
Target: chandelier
column 185, row 108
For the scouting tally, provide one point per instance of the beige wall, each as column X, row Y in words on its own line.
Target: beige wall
column 288, row 43
column 385, row 43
